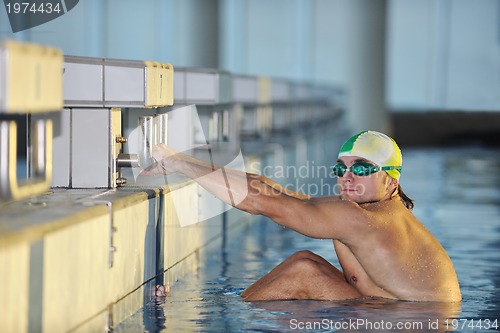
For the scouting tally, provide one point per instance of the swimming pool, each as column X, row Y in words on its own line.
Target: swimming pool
column 457, row 196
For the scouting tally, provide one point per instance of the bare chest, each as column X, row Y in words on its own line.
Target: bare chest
column 352, row 269
column 355, row 274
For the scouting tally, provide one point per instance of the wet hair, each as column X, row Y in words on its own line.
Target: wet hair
column 407, row 201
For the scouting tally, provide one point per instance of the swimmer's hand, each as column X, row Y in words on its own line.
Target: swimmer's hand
column 165, row 158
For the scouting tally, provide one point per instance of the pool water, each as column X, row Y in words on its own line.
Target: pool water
column 457, row 196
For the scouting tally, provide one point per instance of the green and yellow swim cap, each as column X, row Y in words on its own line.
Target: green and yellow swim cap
column 376, row 147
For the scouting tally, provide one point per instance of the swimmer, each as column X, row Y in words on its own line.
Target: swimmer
column 383, row 249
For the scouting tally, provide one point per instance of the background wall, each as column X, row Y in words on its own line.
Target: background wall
column 400, row 55
column 444, row 55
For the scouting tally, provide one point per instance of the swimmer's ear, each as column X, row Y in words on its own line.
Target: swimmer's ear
column 393, row 181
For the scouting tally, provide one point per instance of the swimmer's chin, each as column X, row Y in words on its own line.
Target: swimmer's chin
column 348, row 195
column 352, row 198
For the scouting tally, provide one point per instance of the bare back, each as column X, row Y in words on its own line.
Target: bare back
column 400, row 259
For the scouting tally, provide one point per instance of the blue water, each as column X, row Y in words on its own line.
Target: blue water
column 457, row 196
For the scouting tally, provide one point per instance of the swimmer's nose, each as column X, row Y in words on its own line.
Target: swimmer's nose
column 348, row 176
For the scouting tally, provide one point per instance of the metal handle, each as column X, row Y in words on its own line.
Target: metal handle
column 146, row 141
column 161, row 128
column 10, row 189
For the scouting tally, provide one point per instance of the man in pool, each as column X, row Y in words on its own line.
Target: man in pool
column 383, row 249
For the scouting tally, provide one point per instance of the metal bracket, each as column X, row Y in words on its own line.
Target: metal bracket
column 112, row 229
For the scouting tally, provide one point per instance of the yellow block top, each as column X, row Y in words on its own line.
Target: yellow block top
column 159, row 84
column 30, row 78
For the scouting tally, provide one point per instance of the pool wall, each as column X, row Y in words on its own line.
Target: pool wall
column 84, row 252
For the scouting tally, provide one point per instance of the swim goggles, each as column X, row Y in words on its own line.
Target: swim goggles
column 361, row 169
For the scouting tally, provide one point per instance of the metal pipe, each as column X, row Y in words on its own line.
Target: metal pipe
column 127, row 161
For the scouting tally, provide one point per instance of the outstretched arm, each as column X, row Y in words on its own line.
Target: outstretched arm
column 319, row 218
column 231, row 186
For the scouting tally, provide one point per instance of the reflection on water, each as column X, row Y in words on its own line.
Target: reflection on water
column 457, row 194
